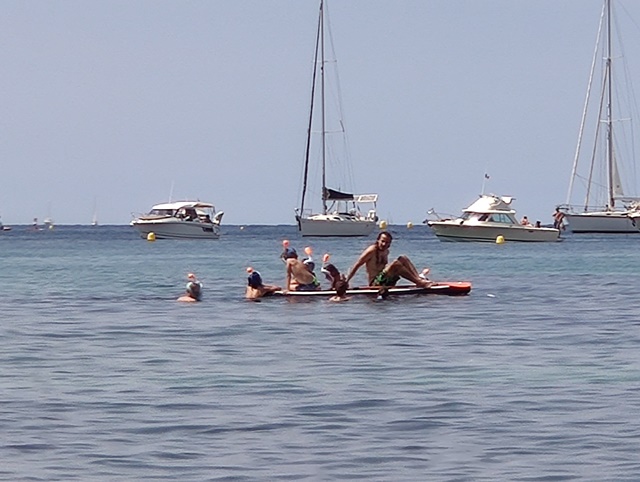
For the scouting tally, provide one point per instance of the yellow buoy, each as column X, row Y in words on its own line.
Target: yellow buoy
column 500, row 239
column 409, row 225
column 383, row 224
column 151, row 237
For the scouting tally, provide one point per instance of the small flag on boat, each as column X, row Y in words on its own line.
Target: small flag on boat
column 486, row 176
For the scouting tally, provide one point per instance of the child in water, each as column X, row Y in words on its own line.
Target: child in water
column 338, row 282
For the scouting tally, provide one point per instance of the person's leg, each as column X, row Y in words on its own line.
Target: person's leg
column 404, row 267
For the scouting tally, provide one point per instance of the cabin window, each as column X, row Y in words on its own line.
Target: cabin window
column 161, row 212
column 501, row 218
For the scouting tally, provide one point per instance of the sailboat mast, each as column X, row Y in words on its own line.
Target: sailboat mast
column 310, row 125
column 610, row 160
column 322, row 107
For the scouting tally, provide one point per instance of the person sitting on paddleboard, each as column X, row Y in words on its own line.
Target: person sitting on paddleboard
column 298, row 276
column 255, row 287
column 382, row 273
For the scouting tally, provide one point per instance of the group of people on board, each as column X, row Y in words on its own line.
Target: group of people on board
column 190, row 214
column 525, row 222
column 558, row 220
column 300, row 274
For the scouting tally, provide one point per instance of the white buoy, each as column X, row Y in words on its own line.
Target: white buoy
column 409, row 225
column 500, row 239
column 383, row 224
column 151, row 236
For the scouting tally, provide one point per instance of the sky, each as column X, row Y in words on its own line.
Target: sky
column 113, row 106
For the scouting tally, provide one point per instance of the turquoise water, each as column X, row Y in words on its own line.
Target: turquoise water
column 533, row 376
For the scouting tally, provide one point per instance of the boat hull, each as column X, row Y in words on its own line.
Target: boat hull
column 603, row 222
column 173, row 228
column 459, row 231
column 335, row 225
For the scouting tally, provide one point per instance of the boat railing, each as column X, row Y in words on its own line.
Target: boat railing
column 432, row 215
column 581, row 208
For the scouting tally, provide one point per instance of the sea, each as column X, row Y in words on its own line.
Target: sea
column 534, row 376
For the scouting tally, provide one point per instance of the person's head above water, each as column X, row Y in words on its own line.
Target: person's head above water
column 194, row 287
column 289, row 253
column 311, row 266
column 254, row 280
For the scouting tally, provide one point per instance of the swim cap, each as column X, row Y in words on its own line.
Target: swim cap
column 254, row 280
column 195, row 290
column 191, row 276
column 289, row 253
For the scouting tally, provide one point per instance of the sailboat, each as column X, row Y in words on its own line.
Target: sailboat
column 94, row 219
column 606, row 208
column 341, row 213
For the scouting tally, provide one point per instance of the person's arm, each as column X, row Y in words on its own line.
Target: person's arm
column 364, row 257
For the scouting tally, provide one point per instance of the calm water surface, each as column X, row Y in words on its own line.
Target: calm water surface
column 534, row 376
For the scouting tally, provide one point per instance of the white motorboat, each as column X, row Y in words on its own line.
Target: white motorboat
column 180, row 220
column 341, row 213
column 4, row 228
column 607, row 207
column 488, row 218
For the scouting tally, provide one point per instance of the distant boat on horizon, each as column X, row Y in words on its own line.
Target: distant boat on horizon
column 94, row 219
column 3, row 227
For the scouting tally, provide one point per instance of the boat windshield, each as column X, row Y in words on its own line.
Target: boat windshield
column 162, row 212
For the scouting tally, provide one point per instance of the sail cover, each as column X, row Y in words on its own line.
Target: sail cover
column 333, row 195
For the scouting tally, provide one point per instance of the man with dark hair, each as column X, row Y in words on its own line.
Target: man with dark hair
column 382, row 273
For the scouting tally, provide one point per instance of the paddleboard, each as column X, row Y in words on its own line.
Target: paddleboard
column 453, row 288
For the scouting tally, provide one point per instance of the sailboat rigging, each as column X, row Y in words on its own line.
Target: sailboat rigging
column 340, row 214
column 606, row 208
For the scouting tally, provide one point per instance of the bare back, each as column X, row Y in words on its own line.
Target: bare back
column 297, row 274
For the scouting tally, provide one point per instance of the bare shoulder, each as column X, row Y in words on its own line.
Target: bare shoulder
column 187, row 299
column 368, row 252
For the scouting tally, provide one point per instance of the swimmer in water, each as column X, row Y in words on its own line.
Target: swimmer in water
column 194, row 290
column 338, row 282
column 255, row 287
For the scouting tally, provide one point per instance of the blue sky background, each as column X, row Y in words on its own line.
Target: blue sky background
column 115, row 102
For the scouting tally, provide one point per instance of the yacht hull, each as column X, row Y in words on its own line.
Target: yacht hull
column 603, row 222
column 335, row 225
column 459, row 231
column 173, row 228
